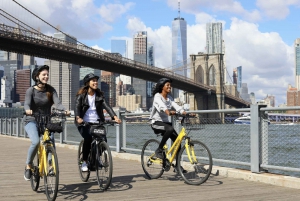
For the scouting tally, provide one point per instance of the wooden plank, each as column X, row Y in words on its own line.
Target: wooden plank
column 129, row 182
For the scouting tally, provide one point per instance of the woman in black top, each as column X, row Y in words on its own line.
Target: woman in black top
column 89, row 107
column 38, row 98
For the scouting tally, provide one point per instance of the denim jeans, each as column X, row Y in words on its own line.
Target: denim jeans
column 33, row 134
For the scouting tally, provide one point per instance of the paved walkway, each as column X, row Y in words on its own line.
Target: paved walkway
column 129, row 182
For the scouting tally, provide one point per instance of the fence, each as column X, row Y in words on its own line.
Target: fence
column 257, row 146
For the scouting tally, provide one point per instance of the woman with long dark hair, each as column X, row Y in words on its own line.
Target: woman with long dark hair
column 89, row 106
column 164, row 106
column 38, row 99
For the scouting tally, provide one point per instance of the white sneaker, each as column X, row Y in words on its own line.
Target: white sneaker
column 84, row 167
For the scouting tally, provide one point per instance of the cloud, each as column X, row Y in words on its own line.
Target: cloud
column 229, row 6
column 265, row 59
column 278, row 9
column 111, row 12
column 267, row 62
column 83, row 17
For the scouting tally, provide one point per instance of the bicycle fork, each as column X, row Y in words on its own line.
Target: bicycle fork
column 189, row 147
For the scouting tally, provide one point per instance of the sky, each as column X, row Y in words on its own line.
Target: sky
column 259, row 35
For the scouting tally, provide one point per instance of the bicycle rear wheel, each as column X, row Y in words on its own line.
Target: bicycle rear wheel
column 199, row 170
column 83, row 175
column 152, row 168
column 104, row 165
column 35, row 178
column 51, row 174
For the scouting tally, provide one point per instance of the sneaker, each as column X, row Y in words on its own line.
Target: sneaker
column 159, row 153
column 176, row 170
column 27, row 174
column 84, row 167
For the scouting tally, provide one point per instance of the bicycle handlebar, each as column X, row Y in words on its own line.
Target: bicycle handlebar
column 106, row 122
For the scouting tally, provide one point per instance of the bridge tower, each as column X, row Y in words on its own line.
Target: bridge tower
column 208, row 69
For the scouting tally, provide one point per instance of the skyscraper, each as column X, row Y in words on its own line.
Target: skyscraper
column 214, row 41
column 119, row 46
column 140, row 55
column 297, row 63
column 239, row 78
column 64, row 77
column 179, row 47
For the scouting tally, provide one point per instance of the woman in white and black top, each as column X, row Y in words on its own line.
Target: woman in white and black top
column 89, row 106
column 38, row 98
column 162, row 105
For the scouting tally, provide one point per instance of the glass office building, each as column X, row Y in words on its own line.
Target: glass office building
column 214, row 41
column 119, row 46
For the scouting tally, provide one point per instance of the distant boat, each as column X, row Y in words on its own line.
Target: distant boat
column 244, row 120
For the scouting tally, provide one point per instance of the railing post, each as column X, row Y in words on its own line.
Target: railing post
column 123, row 130
column 255, row 131
column 118, row 139
column 17, row 127
column 11, row 126
column 254, row 138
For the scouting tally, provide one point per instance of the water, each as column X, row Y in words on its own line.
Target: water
column 225, row 141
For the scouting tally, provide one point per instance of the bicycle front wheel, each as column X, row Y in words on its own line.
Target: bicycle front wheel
column 195, row 167
column 35, row 178
column 153, row 168
column 51, row 174
column 83, row 175
column 104, row 165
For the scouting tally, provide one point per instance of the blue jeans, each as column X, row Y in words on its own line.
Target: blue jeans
column 33, row 134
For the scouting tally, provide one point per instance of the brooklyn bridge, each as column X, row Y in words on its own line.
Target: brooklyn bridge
column 19, row 36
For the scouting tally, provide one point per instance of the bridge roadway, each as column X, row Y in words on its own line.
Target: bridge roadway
column 129, row 182
column 39, row 45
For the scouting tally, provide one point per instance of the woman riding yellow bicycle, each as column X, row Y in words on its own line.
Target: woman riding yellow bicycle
column 161, row 109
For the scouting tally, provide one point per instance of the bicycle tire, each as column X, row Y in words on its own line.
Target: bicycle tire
column 51, row 174
column 35, row 178
column 83, row 175
column 104, row 165
column 152, row 170
column 196, row 173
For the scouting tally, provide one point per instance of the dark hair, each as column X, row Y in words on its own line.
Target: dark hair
column 159, row 85
column 85, row 89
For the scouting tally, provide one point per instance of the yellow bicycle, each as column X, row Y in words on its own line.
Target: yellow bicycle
column 45, row 163
column 194, row 157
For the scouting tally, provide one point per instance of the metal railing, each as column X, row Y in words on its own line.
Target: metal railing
column 259, row 146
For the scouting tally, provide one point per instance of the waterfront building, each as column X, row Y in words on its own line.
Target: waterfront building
column 108, row 86
column 6, row 88
column 22, row 83
column 130, row 102
column 297, row 63
column 270, row 99
column 292, row 98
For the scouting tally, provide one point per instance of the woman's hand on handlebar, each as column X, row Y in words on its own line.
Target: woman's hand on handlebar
column 28, row 112
column 117, row 120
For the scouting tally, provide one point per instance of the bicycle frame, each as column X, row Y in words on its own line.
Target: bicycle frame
column 171, row 153
column 45, row 142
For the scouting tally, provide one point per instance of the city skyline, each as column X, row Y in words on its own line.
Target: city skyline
column 258, row 35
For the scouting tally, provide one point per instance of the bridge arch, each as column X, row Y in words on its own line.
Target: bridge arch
column 199, row 77
column 212, row 75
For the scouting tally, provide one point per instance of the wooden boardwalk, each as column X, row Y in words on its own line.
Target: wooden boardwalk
column 129, row 182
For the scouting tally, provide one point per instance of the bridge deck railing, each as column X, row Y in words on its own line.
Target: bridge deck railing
column 259, row 146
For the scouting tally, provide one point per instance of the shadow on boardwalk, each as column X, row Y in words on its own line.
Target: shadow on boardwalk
column 129, row 182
